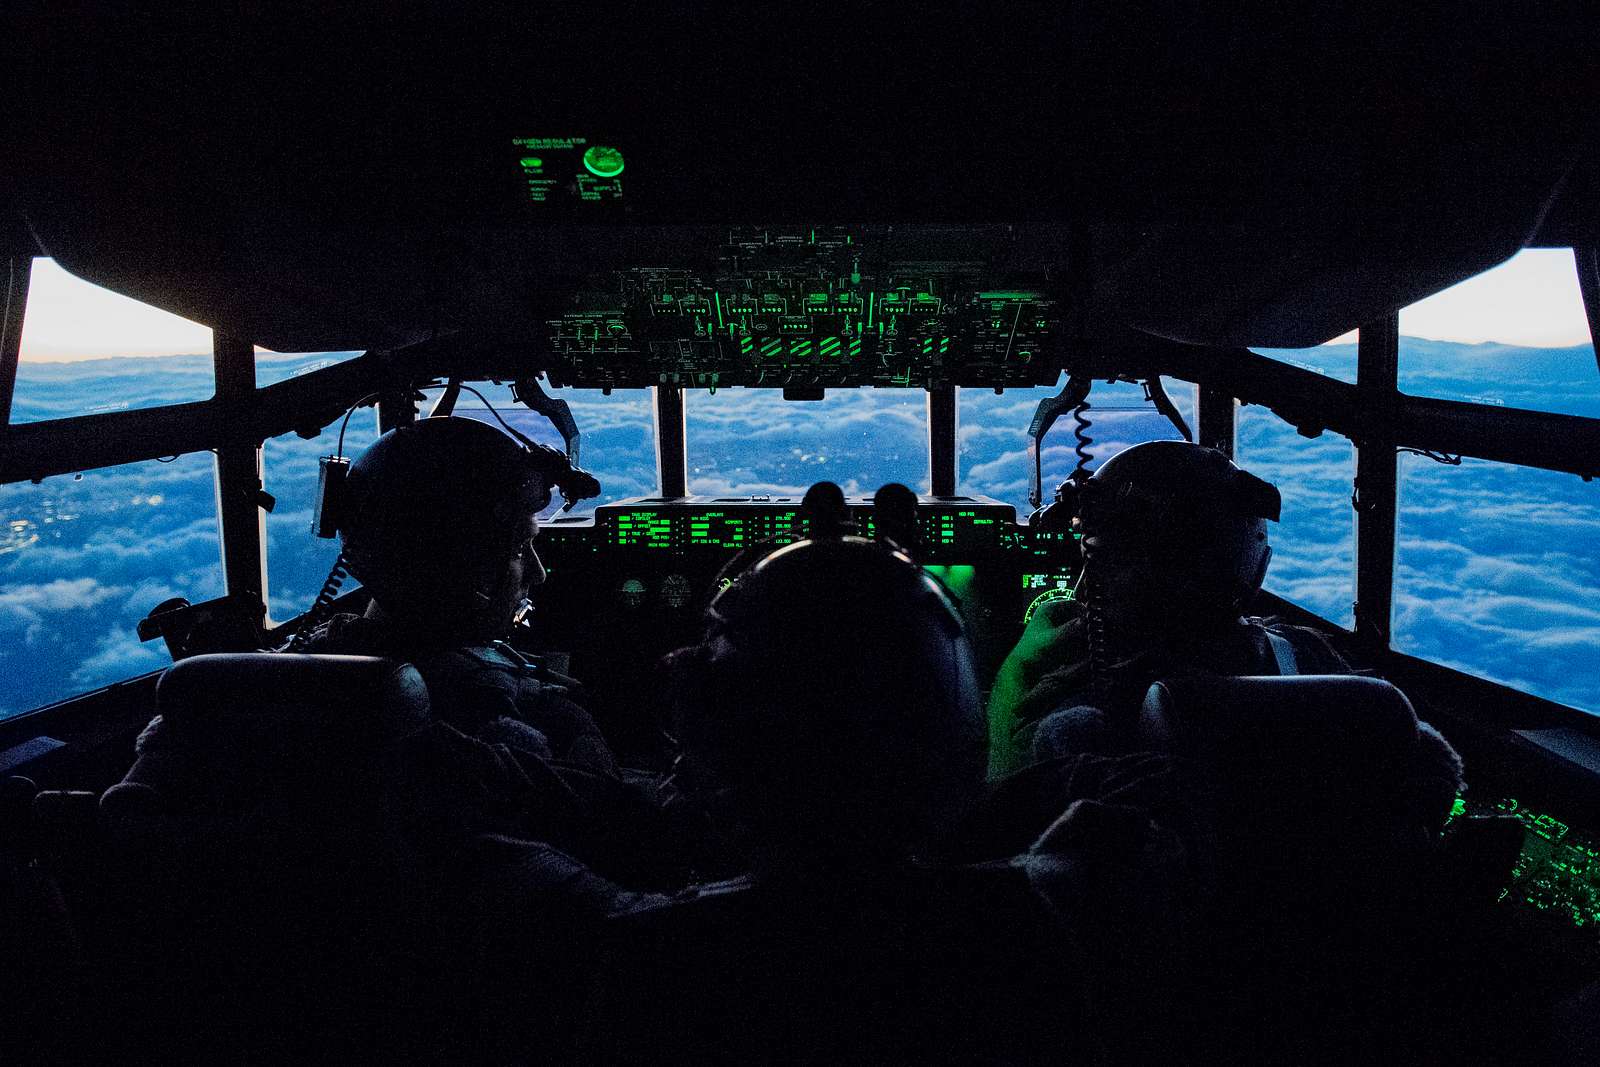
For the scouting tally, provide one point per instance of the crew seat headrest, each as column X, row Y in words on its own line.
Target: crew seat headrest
column 241, row 725
column 1344, row 728
column 258, row 695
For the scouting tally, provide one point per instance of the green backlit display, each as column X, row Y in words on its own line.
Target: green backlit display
column 564, row 173
column 1558, row 871
column 727, row 533
column 734, row 528
column 644, row 529
column 1041, row 589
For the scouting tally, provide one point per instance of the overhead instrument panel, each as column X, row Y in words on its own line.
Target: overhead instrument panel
column 821, row 306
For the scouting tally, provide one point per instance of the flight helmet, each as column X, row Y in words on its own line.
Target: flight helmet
column 833, row 700
column 429, row 505
column 1174, row 539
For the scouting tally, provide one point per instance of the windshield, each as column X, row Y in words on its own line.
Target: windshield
column 743, row 442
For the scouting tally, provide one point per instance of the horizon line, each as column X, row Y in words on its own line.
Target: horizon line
column 61, row 360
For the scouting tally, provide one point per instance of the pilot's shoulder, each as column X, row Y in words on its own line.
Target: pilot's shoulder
column 1314, row 653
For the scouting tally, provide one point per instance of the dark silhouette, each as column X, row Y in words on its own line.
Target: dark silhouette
column 832, row 727
column 437, row 521
column 1175, row 547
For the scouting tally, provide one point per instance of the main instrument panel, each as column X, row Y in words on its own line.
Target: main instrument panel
column 629, row 583
column 658, row 549
column 823, row 306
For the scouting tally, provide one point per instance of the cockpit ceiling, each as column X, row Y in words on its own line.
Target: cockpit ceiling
column 1266, row 180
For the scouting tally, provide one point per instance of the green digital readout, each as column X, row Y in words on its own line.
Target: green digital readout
column 718, row 529
column 738, row 527
column 960, row 527
column 644, row 529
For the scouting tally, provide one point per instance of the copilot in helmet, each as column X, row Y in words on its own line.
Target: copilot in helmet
column 833, row 695
column 1174, row 538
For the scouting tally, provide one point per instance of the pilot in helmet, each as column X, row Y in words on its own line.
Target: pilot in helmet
column 437, row 521
column 833, row 704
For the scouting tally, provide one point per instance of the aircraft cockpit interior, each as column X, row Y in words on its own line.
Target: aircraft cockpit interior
column 736, row 533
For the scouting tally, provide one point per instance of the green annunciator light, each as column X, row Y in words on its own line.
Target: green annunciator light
column 603, row 161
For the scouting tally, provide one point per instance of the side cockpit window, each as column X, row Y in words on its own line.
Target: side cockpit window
column 87, row 350
column 1514, row 336
column 84, row 557
column 1313, row 543
column 1496, row 572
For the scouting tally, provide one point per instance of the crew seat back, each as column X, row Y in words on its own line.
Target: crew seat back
column 1316, row 794
column 1334, row 769
column 251, row 726
column 274, row 905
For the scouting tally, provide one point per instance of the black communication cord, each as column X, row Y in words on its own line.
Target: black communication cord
column 1082, row 440
column 319, row 607
column 351, row 410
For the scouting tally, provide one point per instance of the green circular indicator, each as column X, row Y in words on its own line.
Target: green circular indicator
column 603, row 162
column 1046, row 597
